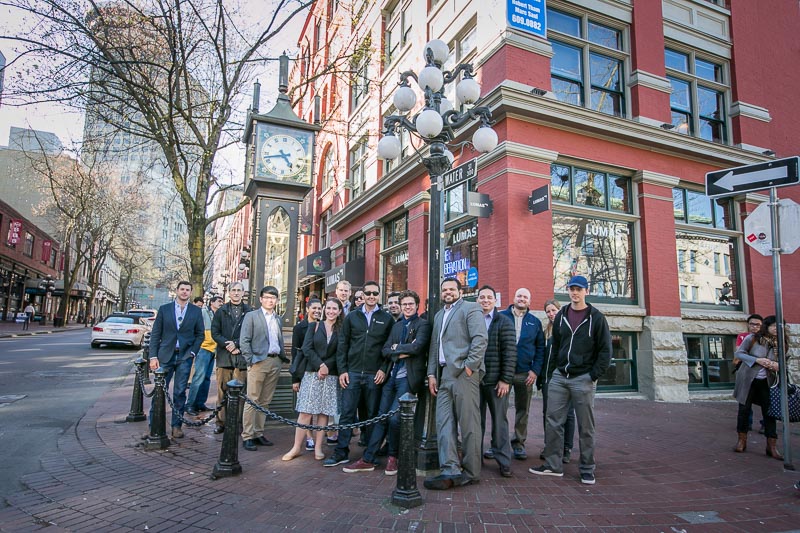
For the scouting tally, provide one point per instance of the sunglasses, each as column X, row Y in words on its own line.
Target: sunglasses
column 371, row 293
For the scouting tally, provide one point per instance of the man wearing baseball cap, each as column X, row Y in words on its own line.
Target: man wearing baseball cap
column 582, row 347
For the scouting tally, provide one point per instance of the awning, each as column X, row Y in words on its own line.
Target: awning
column 352, row 271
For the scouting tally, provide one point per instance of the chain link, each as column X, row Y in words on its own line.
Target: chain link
column 141, row 385
column 199, row 422
column 332, row 427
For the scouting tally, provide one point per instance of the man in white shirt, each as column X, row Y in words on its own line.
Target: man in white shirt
column 261, row 343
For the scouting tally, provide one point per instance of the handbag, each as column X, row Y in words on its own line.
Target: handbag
column 793, row 396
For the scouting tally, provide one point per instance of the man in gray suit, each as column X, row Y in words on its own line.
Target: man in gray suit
column 261, row 343
column 458, row 344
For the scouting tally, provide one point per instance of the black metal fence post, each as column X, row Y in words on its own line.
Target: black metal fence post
column 146, row 355
column 136, row 413
column 228, row 464
column 158, row 440
column 407, row 494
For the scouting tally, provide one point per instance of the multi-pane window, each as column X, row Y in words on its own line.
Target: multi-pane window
column 328, row 171
column 698, row 94
column 396, row 231
column 28, row 250
column 621, row 373
column 358, row 167
column 462, row 50
column 710, row 360
column 598, row 247
column 706, row 244
column 588, row 65
column 323, row 230
column 356, row 248
column 360, row 81
column 398, row 30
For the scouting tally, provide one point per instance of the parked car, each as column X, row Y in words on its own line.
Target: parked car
column 120, row 329
column 148, row 314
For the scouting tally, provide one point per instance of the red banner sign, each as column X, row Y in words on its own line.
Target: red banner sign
column 14, row 230
column 46, row 247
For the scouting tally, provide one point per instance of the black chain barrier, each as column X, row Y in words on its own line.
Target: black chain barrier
column 332, row 427
column 142, row 382
column 201, row 421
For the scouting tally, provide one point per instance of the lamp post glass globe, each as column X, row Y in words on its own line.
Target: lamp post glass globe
column 450, row 156
column 485, row 139
column 389, row 147
column 429, row 123
column 468, row 91
column 431, row 78
column 404, row 99
column 445, row 105
column 440, row 50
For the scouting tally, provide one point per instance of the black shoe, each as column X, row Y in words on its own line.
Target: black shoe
column 191, row 412
column 331, row 441
column 442, row 482
column 250, row 445
column 203, row 408
column 566, row 457
column 218, row 430
column 488, row 454
column 505, row 471
column 587, row 478
column 520, row 454
column 334, row 460
column 262, row 440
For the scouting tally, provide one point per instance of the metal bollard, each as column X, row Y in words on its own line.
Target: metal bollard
column 158, row 440
column 136, row 413
column 407, row 494
column 146, row 355
column 228, row 464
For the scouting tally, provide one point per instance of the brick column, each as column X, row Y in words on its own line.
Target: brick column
column 661, row 357
column 417, row 207
column 649, row 86
column 372, row 251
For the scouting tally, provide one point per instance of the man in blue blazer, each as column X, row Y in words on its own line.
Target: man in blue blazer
column 175, row 339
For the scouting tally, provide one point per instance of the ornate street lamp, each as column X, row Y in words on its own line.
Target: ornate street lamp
column 436, row 125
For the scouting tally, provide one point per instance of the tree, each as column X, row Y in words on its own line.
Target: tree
column 171, row 72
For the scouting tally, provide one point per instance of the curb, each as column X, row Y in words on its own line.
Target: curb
column 31, row 333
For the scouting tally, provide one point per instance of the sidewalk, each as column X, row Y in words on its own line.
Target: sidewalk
column 661, row 468
column 12, row 329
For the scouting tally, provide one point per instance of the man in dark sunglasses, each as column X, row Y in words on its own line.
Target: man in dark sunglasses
column 359, row 359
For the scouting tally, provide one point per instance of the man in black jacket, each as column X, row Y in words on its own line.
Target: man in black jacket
column 359, row 359
column 225, row 329
column 582, row 347
column 406, row 360
column 500, row 360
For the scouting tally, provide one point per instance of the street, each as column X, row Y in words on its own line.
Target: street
column 47, row 383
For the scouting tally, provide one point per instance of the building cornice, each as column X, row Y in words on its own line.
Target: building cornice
column 743, row 109
column 420, row 198
column 655, row 178
column 651, row 81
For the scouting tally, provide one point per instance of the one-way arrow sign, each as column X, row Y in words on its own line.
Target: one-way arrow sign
column 778, row 173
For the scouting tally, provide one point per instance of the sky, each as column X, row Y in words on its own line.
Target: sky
column 67, row 124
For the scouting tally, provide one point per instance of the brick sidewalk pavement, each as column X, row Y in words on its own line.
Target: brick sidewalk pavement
column 661, row 467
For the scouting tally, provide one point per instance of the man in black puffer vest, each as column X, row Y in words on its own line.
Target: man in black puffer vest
column 500, row 360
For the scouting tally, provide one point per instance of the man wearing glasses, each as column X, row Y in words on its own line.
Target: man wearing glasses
column 261, row 343
column 359, row 359
column 176, row 337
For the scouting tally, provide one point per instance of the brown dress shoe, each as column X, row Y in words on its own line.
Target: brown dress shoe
column 177, row 433
column 741, row 444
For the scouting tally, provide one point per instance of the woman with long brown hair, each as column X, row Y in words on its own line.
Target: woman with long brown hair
column 759, row 355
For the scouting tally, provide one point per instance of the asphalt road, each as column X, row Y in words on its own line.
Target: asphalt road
column 47, row 383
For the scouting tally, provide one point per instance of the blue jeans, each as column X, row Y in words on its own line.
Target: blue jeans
column 393, row 389
column 362, row 384
column 180, row 370
column 201, row 381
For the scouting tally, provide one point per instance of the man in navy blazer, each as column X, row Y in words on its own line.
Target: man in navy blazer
column 175, row 339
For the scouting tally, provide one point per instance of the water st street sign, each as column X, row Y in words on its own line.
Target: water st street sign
column 731, row 181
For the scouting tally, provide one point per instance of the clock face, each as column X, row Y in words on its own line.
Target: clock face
column 284, row 154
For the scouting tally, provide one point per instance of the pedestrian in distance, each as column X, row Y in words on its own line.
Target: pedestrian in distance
column 551, row 308
column 261, row 342
column 30, row 312
column 501, row 361
column 759, row 355
column 204, row 362
column 582, row 346
column 343, row 291
column 175, row 338
column 359, row 359
column 405, row 361
column 231, row 365
column 318, row 390
column 530, row 357
column 753, row 326
column 455, row 370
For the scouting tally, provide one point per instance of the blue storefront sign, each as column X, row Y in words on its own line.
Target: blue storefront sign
column 528, row 15
column 472, row 277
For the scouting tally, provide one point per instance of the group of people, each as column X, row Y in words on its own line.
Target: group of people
column 355, row 359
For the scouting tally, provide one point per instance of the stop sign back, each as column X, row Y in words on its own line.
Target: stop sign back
column 758, row 229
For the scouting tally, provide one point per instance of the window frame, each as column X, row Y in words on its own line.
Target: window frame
column 705, row 340
column 633, row 346
column 28, row 244
column 358, row 167
column 588, row 49
column 357, row 247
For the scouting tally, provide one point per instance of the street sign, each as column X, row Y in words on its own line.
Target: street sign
column 460, row 174
column 539, row 200
column 778, row 173
column 479, row 205
column 758, row 228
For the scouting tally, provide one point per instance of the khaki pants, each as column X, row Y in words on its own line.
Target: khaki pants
column 224, row 375
column 262, row 378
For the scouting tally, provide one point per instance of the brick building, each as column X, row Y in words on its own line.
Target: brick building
column 621, row 107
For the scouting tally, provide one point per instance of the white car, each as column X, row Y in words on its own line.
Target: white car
column 120, row 329
column 149, row 315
